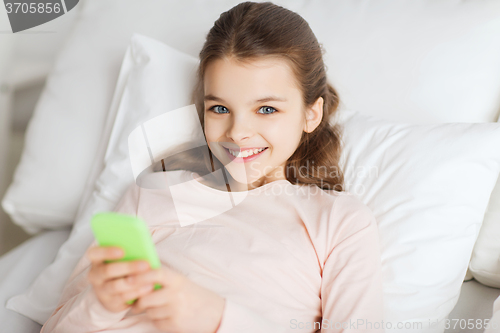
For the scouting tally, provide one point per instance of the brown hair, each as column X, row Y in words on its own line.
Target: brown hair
column 251, row 30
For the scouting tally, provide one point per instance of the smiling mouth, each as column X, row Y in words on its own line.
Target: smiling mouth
column 245, row 153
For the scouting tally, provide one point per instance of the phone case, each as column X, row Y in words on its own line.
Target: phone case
column 129, row 233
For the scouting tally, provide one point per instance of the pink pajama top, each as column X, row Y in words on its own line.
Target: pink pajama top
column 286, row 258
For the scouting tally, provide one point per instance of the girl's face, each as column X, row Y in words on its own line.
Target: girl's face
column 254, row 106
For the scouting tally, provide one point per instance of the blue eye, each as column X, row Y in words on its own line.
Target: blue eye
column 268, row 108
column 213, row 108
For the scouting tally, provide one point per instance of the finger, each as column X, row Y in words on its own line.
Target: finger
column 99, row 254
column 119, row 301
column 160, row 297
column 151, row 276
column 164, row 276
column 100, row 273
column 130, row 282
column 119, row 285
column 121, row 269
column 139, row 292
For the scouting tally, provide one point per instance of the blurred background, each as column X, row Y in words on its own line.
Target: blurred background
column 26, row 57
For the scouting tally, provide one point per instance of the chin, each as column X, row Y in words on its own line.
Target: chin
column 240, row 175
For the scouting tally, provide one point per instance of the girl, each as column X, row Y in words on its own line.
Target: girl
column 285, row 249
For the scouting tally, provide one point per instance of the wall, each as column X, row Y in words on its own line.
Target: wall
column 27, row 58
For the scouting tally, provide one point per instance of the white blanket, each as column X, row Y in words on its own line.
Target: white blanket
column 18, row 269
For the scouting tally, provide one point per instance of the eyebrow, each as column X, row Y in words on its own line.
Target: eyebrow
column 211, row 97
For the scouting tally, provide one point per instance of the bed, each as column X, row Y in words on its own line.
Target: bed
column 411, row 61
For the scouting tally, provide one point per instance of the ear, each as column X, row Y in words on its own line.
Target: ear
column 314, row 115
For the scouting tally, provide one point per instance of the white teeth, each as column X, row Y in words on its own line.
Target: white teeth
column 245, row 153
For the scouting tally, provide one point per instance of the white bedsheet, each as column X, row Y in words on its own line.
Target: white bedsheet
column 18, row 269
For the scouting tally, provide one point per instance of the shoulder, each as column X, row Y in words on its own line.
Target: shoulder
column 153, row 184
column 351, row 215
column 161, row 180
column 339, row 203
column 339, row 208
column 150, row 196
column 348, row 214
column 347, row 203
column 332, row 217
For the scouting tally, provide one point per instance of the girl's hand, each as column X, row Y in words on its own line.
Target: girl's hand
column 181, row 305
column 108, row 280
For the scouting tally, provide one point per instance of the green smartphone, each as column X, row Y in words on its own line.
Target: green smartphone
column 128, row 232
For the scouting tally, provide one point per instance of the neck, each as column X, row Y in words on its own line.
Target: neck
column 235, row 186
column 225, row 182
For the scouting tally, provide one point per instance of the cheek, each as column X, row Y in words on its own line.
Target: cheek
column 286, row 135
column 211, row 129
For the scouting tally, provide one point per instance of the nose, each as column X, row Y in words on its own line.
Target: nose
column 240, row 129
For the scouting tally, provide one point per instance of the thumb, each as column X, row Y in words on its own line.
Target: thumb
column 170, row 277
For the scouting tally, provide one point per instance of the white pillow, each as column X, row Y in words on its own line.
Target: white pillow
column 414, row 56
column 413, row 61
column 485, row 260
column 426, row 219
column 66, row 137
column 154, row 78
column 428, row 187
